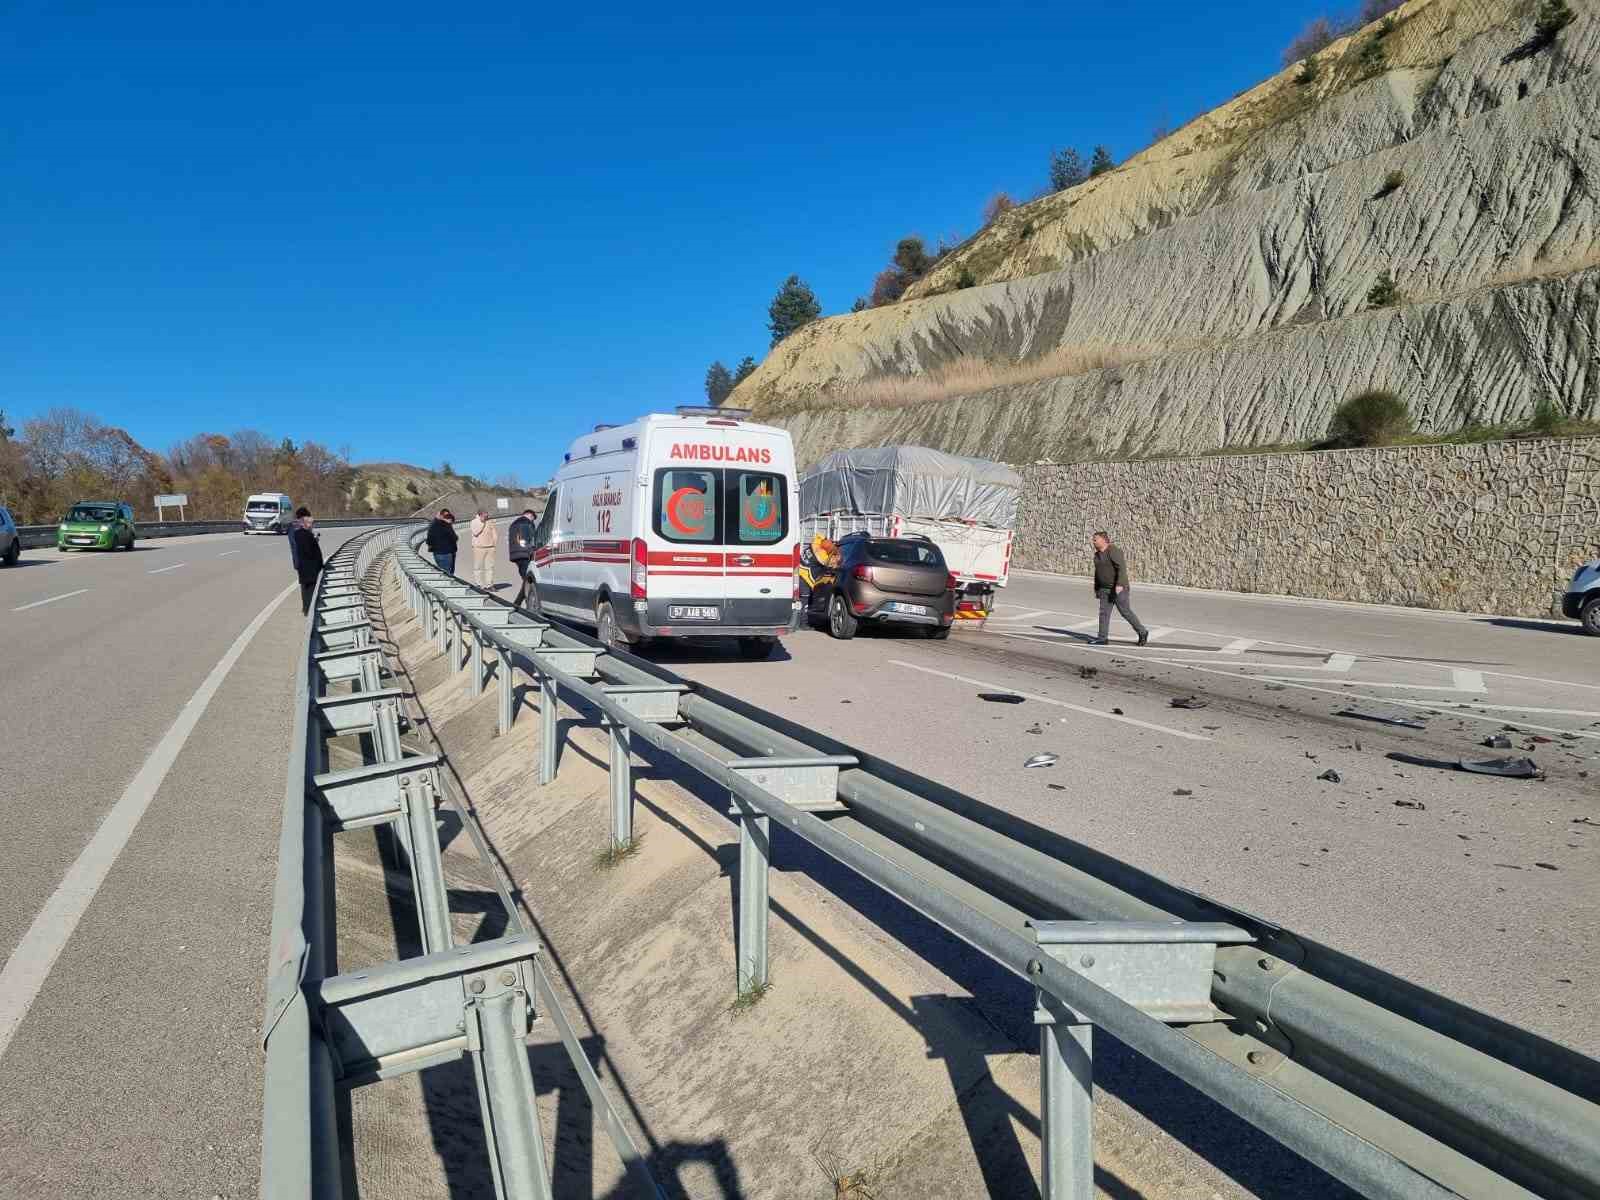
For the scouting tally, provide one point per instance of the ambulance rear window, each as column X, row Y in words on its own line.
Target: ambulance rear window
column 685, row 508
column 758, row 499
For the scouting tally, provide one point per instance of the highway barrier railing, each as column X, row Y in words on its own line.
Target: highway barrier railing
column 1390, row 1088
column 326, row 1031
column 37, row 536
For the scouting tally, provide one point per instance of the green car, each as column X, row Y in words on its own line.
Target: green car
column 96, row 525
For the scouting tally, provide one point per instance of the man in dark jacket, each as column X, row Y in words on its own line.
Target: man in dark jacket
column 1111, row 587
column 519, row 541
column 442, row 541
column 306, row 554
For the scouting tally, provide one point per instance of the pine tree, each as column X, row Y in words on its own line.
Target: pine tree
column 794, row 305
column 1101, row 162
column 1066, row 169
column 745, row 369
column 719, row 383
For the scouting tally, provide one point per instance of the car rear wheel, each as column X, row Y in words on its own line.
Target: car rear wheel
column 842, row 624
column 1589, row 614
column 757, row 648
column 13, row 552
column 605, row 623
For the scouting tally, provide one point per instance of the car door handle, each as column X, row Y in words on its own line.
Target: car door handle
column 744, row 560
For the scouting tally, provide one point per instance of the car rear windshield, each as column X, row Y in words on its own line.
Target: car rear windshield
column 906, row 554
column 95, row 512
column 720, row 506
column 261, row 506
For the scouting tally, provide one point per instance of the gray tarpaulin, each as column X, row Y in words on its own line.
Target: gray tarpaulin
column 912, row 481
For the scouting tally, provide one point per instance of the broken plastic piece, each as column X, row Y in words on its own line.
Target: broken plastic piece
column 1331, row 776
column 1042, row 760
column 1497, row 741
column 1381, row 719
column 1000, row 697
column 1187, row 702
column 1508, row 768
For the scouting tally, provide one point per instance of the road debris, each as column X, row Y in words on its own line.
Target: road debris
column 999, row 698
column 1497, row 741
column 1417, row 804
column 1035, row 729
column 1117, row 712
column 1088, row 672
column 1586, row 821
column 1187, row 702
column 1056, row 787
column 1182, row 792
column 1381, row 718
column 1547, row 866
column 1508, row 768
column 1042, row 760
column 1331, row 776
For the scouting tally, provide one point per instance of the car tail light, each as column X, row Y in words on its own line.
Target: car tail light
column 639, row 576
column 862, row 571
column 794, row 593
column 951, row 583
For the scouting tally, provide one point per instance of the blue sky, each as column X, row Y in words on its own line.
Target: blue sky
column 470, row 235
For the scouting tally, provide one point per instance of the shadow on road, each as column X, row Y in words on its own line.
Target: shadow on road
column 1568, row 627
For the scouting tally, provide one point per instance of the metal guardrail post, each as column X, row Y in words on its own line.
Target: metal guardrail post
column 508, row 690
column 475, row 685
column 497, row 1028
column 386, row 730
column 1066, row 1102
column 438, row 625
column 621, row 771
column 755, row 854
column 417, row 796
column 547, row 728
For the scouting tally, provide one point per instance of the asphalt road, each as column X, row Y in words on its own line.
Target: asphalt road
column 135, row 1068
column 1485, row 889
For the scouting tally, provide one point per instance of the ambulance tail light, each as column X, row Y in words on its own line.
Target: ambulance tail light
column 639, row 572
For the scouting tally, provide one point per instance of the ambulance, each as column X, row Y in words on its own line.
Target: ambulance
column 679, row 525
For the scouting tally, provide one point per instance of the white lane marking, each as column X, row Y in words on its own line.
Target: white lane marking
column 225, row 553
column 1469, row 705
column 1028, row 616
column 1089, row 712
column 1238, row 646
column 163, row 570
column 51, row 600
column 30, row 963
column 1338, row 664
column 1468, row 681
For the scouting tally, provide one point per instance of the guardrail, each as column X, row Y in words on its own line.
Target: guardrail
column 325, row 1031
column 1394, row 1090
column 34, row 537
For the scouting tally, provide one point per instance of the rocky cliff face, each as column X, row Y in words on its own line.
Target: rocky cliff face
column 1225, row 272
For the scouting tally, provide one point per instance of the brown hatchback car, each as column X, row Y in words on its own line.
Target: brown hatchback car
column 900, row 580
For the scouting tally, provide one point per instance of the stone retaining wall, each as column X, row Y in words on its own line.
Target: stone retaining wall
column 1492, row 528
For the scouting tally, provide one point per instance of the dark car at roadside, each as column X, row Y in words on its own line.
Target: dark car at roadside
column 887, row 581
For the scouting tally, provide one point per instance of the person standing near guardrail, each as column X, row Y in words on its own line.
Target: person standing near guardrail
column 519, row 541
column 306, row 554
column 1112, row 585
column 485, row 540
column 442, row 541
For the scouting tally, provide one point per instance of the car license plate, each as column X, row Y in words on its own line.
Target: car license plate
column 919, row 610
column 692, row 612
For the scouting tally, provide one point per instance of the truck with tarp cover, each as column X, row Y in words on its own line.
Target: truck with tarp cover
column 965, row 506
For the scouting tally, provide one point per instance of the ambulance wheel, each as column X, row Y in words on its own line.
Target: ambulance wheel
column 756, row 648
column 841, row 622
column 531, row 601
column 606, row 631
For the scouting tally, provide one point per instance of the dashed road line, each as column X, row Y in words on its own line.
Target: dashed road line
column 163, row 570
column 225, row 553
column 1078, row 708
column 50, row 600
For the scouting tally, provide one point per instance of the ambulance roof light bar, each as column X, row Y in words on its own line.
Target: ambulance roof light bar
column 707, row 410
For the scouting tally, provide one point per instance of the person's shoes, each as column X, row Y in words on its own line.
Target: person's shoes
column 1099, row 641
column 1144, row 638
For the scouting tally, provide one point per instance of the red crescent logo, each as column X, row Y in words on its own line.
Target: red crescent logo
column 751, row 507
column 696, row 511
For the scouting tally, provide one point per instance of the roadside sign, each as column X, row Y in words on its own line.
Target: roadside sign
column 178, row 500
column 503, row 502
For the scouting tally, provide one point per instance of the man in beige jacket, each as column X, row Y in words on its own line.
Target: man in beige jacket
column 485, row 537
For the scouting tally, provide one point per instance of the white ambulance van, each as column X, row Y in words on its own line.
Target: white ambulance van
column 678, row 525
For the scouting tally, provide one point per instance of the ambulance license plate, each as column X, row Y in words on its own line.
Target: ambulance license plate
column 692, row 612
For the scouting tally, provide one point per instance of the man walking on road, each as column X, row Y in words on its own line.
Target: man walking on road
column 442, row 541
column 485, row 537
column 306, row 554
column 1111, row 587
column 519, row 541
